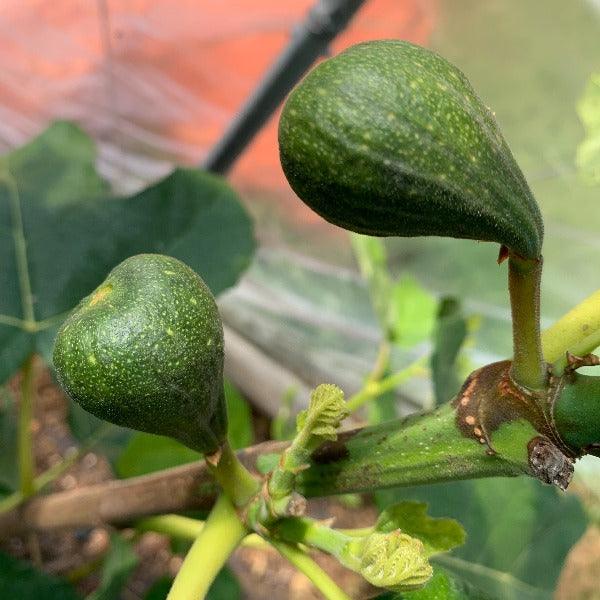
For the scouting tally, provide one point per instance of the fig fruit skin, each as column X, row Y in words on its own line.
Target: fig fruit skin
column 145, row 350
column 390, row 139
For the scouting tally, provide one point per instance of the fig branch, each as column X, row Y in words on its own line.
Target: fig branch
column 192, row 486
column 406, row 455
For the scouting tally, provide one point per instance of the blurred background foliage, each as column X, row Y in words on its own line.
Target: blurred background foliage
column 316, row 301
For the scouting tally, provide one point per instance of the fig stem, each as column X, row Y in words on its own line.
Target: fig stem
column 303, row 530
column 237, row 482
column 25, row 443
column 524, row 278
column 220, row 536
column 186, row 528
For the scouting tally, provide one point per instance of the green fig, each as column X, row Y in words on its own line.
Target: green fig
column 145, row 350
column 389, row 139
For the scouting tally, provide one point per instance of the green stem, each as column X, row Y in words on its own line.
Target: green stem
column 173, row 525
column 373, row 389
column 319, row 422
column 186, row 528
column 381, row 363
column 189, row 529
column 578, row 331
column 302, row 530
column 305, row 564
column 380, row 366
column 25, row 442
column 420, row 449
column 524, row 278
column 237, row 482
column 220, row 536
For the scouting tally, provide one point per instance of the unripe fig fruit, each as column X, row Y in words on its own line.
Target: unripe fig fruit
column 389, row 139
column 145, row 350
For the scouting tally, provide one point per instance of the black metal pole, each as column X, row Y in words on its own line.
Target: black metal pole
column 310, row 40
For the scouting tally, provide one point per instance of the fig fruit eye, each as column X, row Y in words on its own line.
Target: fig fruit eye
column 145, row 351
column 389, row 139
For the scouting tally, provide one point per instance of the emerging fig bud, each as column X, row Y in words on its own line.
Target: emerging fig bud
column 392, row 560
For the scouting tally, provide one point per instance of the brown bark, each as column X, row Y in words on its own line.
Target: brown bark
column 123, row 501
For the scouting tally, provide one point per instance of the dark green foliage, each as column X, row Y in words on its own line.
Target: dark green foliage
column 443, row 586
column 147, row 453
column 145, row 350
column 388, row 138
column 74, row 231
column 117, row 566
column 519, row 531
column 437, row 534
column 20, row 581
column 9, row 468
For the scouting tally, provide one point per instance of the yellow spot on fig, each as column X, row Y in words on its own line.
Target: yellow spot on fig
column 170, row 331
column 91, row 359
column 167, row 272
column 104, row 291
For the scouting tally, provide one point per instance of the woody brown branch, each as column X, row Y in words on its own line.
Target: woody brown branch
column 122, row 502
column 359, row 460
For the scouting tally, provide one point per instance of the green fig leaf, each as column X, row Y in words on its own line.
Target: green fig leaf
column 118, row 565
column 19, row 579
column 61, row 231
column 437, row 534
column 519, row 531
column 443, row 586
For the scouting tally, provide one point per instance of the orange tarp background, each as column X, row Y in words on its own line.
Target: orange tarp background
column 157, row 81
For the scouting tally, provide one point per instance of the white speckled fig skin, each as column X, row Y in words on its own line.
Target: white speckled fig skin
column 145, row 351
column 389, row 139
